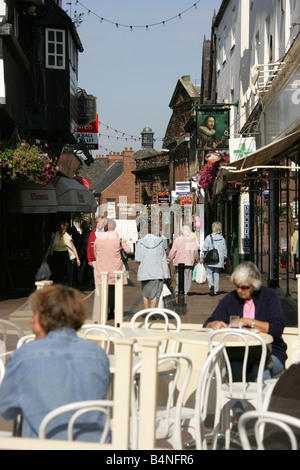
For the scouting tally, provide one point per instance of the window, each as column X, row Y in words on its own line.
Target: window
column 55, row 49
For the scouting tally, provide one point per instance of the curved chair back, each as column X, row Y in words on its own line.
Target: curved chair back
column 284, row 423
column 79, row 408
column 25, row 339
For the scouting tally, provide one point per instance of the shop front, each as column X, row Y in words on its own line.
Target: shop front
column 34, row 212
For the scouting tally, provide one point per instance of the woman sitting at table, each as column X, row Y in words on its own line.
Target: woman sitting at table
column 258, row 307
column 56, row 369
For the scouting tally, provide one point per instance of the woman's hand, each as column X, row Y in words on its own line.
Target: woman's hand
column 216, row 325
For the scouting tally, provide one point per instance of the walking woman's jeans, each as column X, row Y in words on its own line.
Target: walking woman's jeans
column 213, row 277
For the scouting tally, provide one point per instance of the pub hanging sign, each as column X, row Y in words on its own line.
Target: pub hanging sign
column 87, row 108
column 213, row 129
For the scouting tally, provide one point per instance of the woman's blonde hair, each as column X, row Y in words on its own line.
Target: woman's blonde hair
column 58, row 307
column 247, row 272
column 216, row 227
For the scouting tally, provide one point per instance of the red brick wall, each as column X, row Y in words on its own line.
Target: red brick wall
column 124, row 185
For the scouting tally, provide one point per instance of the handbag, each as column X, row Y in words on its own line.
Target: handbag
column 212, row 256
column 123, row 252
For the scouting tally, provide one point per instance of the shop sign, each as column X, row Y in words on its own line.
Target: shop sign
column 183, row 187
column 163, row 198
column 241, row 147
column 90, row 134
column 186, row 200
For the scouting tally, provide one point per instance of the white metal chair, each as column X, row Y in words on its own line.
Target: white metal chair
column 107, row 331
column 243, row 390
column 10, row 328
column 283, row 422
column 165, row 415
column 25, row 339
column 153, row 313
column 105, row 407
column 193, row 420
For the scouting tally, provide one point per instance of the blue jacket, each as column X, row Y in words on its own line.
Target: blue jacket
column 151, row 256
column 218, row 243
column 51, row 372
column 267, row 308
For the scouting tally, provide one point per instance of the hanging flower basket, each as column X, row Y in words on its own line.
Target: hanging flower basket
column 26, row 160
column 209, row 172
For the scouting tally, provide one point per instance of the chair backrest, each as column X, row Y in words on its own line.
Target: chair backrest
column 243, row 336
column 149, row 314
column 176, row 363
column 105, row 407
column 107, row 331
column 25, row 339
column 9, row 327
column 157, row 312
column 209, row 371
column 283, row 422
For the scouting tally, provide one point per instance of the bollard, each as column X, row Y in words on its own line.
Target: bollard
column 119, row 292
column 42, row 284
column 104, row 297
column 97, row 304
column 181, row 306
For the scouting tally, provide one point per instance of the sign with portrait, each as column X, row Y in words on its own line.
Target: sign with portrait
column 213, row 129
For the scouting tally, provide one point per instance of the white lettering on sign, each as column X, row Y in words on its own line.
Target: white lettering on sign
column 38, row 197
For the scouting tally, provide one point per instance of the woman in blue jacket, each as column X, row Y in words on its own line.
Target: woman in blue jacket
column 214, row 240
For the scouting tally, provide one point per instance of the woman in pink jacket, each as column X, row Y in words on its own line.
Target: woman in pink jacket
column 108, row 258
column 184, row 250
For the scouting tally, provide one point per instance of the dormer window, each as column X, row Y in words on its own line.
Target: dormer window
column 55, row 49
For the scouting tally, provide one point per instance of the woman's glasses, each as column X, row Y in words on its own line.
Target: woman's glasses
column 241, row 287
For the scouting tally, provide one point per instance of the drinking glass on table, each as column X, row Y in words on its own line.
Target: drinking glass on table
column 234, row 321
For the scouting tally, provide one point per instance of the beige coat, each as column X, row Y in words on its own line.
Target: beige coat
column 108, row 258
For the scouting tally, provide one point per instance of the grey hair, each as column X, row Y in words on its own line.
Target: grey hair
column 216, row 227
column 186, row 230
column 247, row 272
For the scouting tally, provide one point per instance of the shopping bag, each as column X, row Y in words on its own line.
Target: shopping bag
column 199, row 274
column 43, row 272
column 167, row 298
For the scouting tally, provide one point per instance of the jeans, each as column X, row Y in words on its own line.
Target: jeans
column 213, row 277
column 240, row 405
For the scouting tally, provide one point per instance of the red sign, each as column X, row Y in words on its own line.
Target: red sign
column 82, row 180
column 186, row 199
column 92, row 127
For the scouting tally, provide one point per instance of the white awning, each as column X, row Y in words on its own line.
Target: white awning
column 72, row 196
column 32, row 198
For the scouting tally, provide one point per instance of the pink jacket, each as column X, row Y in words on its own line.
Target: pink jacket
column 108, row 258
column 184, row 250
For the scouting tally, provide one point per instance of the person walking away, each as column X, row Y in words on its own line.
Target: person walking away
column 213, row 269
column 153, row 268
column 184, row 251
column 108, row 258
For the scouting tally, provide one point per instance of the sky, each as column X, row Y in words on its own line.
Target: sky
column 133, row 72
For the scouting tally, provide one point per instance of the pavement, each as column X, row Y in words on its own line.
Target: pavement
column 198, row 304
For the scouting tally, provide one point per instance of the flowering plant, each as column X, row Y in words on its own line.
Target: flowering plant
column 31, row 161
column 209, row 172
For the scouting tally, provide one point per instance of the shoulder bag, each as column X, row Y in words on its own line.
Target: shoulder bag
column 212, row 256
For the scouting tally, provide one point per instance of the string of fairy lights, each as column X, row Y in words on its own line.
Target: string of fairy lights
column 132, row 27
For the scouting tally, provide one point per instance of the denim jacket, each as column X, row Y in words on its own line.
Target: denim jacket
column 51, row 372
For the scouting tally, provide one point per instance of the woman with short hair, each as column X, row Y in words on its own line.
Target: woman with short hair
column 213, row 268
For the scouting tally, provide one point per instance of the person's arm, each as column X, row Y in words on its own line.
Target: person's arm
column 75, row 252
column 48, row 250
